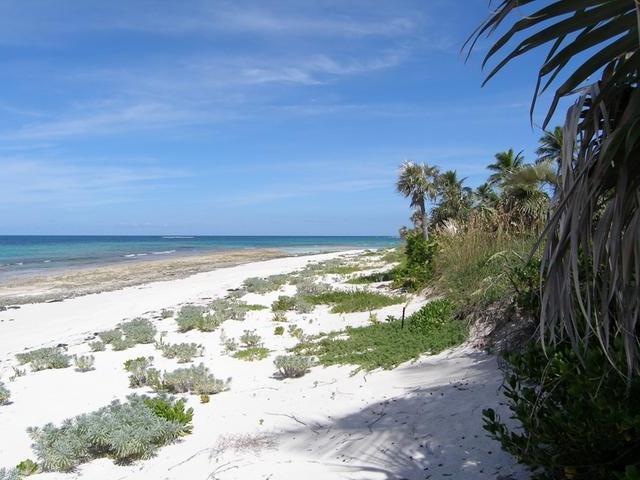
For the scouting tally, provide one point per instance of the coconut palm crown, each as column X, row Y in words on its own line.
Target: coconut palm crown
column 417, row 182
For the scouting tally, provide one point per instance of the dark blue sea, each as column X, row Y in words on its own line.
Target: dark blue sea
column 41, row 254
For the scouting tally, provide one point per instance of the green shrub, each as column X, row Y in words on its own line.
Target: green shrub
column 355, row 301
column 230, row 345
column 292, row 366
column 250, row 339
column 97, row 346
column 141, row 374
column 189, row 317
column 418, row 268
column 385, row 344
column 122, row 343
column 252, row 353
column 122, row 431
column 5, row 394
column 432, row 317
column 229, row 309
column 9, row 474
column 279, row 330
column 279, row 317
column 45, row 358
column 172, row 411
column 256, row 306
column 577, row 417
column 138, row 331
column 283, row 304
column 183, row 352
column 27, row 468
column 194, row 379
column 84, row 363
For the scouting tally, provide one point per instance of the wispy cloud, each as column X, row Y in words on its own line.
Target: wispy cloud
column 29, row 181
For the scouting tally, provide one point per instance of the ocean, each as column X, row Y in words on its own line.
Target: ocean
column 35, row 254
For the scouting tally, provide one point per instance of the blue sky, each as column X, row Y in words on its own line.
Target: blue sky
column 241, row 117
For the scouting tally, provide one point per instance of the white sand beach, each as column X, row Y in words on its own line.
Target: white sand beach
column 420, row 420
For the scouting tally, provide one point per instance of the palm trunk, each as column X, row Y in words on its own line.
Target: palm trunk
column 425, row 225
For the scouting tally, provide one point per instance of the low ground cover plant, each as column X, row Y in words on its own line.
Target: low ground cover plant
column 264, row 285
column 388, row 344
column 279, row 317
column 5, row 394
column 183, row 352
column 27, row 467
column 283, row 303
column 123, row 431
column 45, row 358
column 252, row 353
column 292, row 366
column 279, row 330
column 84, row 363
column 355, row 301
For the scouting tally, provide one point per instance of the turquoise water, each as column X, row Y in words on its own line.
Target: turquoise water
column 41, row 254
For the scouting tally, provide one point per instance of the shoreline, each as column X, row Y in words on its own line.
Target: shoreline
column 78, row 281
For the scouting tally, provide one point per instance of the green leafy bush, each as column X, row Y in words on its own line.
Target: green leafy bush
column 279, row 330
column 283, row 303
column 172, row 410
column 292, row 366
column 250, row 339
column 97, row 346
column 385, row 344
column 122, row 431
column 252, row 353
column 5, row 394
column 45, row 358
column 27, row 467
column 577, row 418
column 195, row 379
column 183, row 352
column 418, row 267
column 84, row 363
column 355, row 301
column 432, row 317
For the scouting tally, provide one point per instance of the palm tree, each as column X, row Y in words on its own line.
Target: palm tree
column 550, row 148
column 593, row 56
column 417, row 182
column 506, row 163
column 454, row 198
column 485, row 196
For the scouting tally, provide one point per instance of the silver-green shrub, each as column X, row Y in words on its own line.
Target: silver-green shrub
column 5, row 395
column 122, row 431
column 189, row 318
column 9, row 474
column 307, row 287
column 183, row 352
column 195, row 379
column 141, row 374
column 138, row 330
column 250, row 339
column 229, row 308
column 45, row 358
column 292, row 366
column 84, row 363
column 210, row 321
column 301, row 305
column 264, row 285
column 97, row 346
column 109, row 336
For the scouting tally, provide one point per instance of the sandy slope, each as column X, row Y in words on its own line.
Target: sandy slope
column 421, row 420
